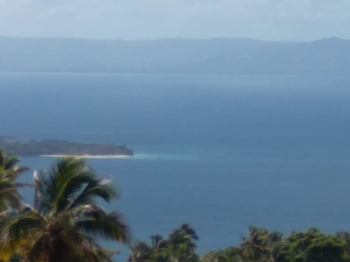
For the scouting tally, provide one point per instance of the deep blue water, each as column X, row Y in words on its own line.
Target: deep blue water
column 219, row 152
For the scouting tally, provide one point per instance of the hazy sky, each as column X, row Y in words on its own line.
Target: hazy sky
column 140, row 19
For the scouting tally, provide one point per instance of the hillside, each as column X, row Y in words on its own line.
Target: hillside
column 176, row 56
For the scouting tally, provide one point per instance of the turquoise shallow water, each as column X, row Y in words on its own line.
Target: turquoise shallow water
column 219, row 152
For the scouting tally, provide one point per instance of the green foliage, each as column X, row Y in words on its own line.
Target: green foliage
column 140, row 252
column 261, row 245
column 227, row 255
column 315, row 246
column 179, row 246
column 58, row 147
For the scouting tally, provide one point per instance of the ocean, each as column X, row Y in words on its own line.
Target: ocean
column 218, row 152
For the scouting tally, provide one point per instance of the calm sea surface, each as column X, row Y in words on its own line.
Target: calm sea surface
column 219, row 152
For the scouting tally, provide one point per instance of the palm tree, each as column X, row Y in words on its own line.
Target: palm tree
column 181, row 244
column 65, row 220
column 9, row 172
column 178, row 247
column 278, row 250
column 254, row 247
column 140, row 252
column 159, row 252
column 158, row 242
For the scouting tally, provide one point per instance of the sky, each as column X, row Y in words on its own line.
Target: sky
column 290, row 20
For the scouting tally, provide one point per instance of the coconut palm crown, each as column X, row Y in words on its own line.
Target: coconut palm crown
column 65, row 222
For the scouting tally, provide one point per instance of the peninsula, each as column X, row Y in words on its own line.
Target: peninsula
column 57, row 148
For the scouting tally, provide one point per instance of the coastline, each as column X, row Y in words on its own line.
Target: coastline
column 87, row 156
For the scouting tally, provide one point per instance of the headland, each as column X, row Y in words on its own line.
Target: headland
column 60, row 148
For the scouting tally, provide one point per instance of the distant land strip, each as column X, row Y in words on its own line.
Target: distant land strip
column 230, row 56
column 59, row 148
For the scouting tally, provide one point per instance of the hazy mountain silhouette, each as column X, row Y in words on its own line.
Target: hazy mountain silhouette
column 329, row 56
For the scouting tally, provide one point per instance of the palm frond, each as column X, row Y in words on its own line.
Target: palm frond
column 38, row 250
column 83, row 248
column 42, row 194
column 109, row 226
column 10, row 161
column 100, row 188
column 65, row 180
column 19, row 227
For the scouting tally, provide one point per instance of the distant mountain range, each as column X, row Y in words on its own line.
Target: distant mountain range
column 329, row 56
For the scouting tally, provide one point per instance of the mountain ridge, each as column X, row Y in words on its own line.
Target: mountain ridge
column 240, row 56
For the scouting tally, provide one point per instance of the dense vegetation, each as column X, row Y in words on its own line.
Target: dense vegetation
column 259, row 245
column 58, row 147
column 66, row 224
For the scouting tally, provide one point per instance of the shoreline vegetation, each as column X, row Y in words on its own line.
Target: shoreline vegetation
column 60, row 148
column 66, row 223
